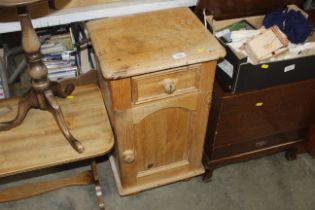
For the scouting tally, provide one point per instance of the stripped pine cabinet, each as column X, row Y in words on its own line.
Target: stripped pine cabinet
column 157, row 87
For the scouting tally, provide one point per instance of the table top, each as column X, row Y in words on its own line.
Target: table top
column 37, row 143
column 148, row 42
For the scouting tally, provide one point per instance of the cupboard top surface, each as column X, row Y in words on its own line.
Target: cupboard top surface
column 148, row 42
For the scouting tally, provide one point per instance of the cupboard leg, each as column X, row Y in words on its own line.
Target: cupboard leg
column 207, row 176
column 310, row 140
column 291, row 154
column 98, row 190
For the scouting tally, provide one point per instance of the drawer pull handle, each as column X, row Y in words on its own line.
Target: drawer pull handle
column 169, row 86
column 261, row 143
column 128, row 156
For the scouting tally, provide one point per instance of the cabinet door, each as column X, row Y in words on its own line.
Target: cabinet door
column 162, row 138
column 163, row 135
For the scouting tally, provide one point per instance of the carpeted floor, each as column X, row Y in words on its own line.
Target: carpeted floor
column 269, row 183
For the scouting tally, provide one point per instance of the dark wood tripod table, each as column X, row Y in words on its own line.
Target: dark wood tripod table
column 43, row 92
column 35, row 138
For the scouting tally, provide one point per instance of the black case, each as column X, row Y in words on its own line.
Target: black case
column 247, row 76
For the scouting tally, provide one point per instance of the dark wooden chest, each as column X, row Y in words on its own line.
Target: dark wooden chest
column 256, row 123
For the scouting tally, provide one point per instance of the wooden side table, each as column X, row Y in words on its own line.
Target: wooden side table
column 158, row 71
column 37, row 143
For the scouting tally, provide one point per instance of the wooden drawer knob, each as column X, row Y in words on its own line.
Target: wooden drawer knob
column 169, row 86
column 128, row 156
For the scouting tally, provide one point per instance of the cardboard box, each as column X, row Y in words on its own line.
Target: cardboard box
column 236, row 75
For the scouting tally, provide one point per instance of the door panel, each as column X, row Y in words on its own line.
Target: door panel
column 162, row 139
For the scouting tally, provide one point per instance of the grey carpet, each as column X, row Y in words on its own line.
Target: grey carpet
column 269, row 183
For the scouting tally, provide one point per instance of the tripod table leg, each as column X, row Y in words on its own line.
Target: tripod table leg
column 27, row 102
column 56, row 111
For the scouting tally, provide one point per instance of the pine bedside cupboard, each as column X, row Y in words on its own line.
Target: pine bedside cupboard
column 158, row 70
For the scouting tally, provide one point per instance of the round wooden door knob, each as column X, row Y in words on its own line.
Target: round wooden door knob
column 128, row 156
column 169, row 86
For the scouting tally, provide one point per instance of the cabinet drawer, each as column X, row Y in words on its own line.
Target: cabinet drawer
column 161, row 85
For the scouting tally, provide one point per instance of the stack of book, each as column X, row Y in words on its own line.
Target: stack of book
column 2, row 95
column 59, row 56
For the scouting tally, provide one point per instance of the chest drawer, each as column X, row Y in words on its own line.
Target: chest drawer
column 259, row 145
column 167, row 84
column 258, row 114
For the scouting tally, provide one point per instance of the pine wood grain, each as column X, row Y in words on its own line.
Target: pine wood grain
column 148, row 42
column 38, row 143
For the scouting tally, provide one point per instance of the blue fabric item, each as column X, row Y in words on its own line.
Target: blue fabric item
column 292, row 23
column 274, row 18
